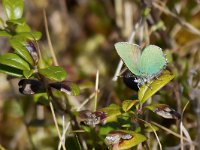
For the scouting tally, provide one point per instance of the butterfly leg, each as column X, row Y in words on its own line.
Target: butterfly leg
column 138, row 85
column 157, row 78
column 149, row 86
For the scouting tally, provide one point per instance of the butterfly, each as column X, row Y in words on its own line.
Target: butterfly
column 146, row 64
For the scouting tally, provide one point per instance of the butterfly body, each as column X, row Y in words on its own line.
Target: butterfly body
column 146, row 79
column 146, row 64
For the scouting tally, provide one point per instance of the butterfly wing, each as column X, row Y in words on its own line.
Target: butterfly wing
column 130, row 54
column 152, row 60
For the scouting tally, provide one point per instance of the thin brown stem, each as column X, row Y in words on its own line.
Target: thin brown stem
column 49, row 39
column 55, row 63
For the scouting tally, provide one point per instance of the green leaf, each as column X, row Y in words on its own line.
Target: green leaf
column 55, row 73
column 86, row 84
column 28, row 73
column 20, row 25
column 66, row 87
column 15, row 61
column 149, row 89
column 105, row 129
column 29, row 35
column 23, row 28
column 13, row 8
column 1, row 23
column 74, row 89
column 146, row 12
column 128, row 104
column 4, row 33
column 73, row 143
column 112, row 111
column 124, row 139
column 19, row 21
column 135, row 140
column 21, row 50
column 41, row 98
column 11, row 71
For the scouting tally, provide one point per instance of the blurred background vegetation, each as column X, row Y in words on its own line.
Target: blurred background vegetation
column 83, row 33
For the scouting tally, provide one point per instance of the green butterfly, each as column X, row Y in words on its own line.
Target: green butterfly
column 146, row 64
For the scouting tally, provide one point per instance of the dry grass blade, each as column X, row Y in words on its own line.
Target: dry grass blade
column 96, row 90
column 183, row 130
column 172, row 132
column 160, row 145
column 63, row 135
column 182, row 22
column 86, row 101
column 56, row 124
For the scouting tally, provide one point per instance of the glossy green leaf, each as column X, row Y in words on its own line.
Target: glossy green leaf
column 105, row 129
column 135, row 140
column 112, row 111
column 4, row 33
column 11, row 71
column 124, row 139
column 74, row 89
column 19, row 21
column 1, row 23
column 86, row 128
column 27, row 73
column 29, row 35
column 13, row 8
column 149, row 89
column 23, row 28
column 66, row 87
column 15, row 61
column 55, row 73
column 21, row 50
column 128, row 104
column 20, row 24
